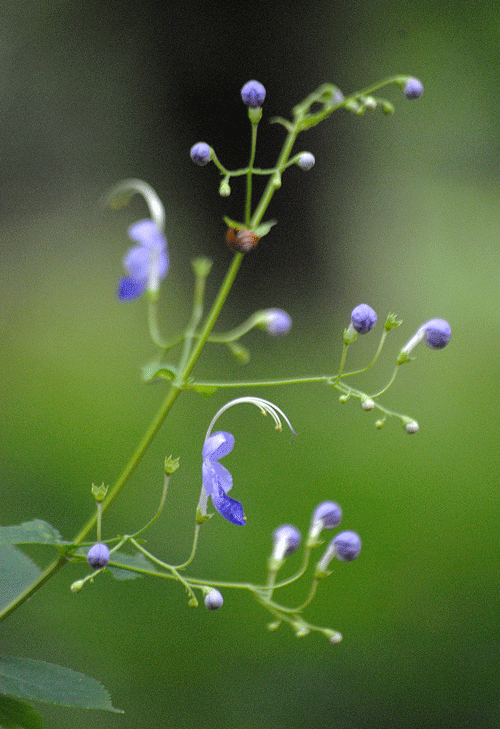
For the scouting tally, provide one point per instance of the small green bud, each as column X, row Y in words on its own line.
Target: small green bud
column 387, row 107
column 344, row 398
column 241, row 353
column 379, row 423
column 99, row 492
column 193, row 603
column 171, row 465
column 77, row 586
column 224, row 189
column 201, row 266
column 274, row 626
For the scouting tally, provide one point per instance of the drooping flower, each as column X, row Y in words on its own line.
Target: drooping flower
column 217, row 480
column 146, row 263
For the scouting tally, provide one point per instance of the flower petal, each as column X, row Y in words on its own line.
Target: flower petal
column 130, row 288
column 218, row 445
column 227, row 507
column 137, row 262
column 147, row 234
column 215, row 476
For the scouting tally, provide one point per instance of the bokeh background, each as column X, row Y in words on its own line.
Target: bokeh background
column 401, row 212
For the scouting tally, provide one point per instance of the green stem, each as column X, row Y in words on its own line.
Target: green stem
column 144, row 444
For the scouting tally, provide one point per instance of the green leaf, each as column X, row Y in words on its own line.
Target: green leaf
column 26, row 678
column 14, row 714
column 165, row 373
column 205, row 390
column 234, row 223
column 31, row 532
column 264, row 228
column 17, row 571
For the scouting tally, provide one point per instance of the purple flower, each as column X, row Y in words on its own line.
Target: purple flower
column 201, row 153
column 413, row 88
column 146, row 263
column 437, row 333
column 363, row 318
column 277, row 322
column 253, row 94
column 217, row 480
column 98, row 556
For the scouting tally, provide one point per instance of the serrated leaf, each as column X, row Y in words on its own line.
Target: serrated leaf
column 17, row 571
column 31, row 532
column 164, row 373
column 34, row 680
column 15, row 714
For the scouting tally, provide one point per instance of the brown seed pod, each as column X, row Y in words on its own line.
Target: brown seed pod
column 241, row 240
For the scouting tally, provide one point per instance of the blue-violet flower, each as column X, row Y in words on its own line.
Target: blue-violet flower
column 146, row 263
column 217, row 480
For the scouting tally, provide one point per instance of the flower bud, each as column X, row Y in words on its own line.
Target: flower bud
column 287, row 540
column 213, row 600
column 437, row 333
column 98, row 556
column 200, row 153
column 347, row 546
column 277, row 322
column 253, row 94
column 412, row 426
column 367, row 404
column 306, row 161
column 413, row 88
column 326, row 515
column 363, row 318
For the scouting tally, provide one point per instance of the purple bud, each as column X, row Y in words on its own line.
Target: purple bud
column 288, row 537
column 277, row 322
column 363, row 318
column 253, row 94
column 329, row 513
column 98, row 556
column 347, row 546
column 413, row 88
column 201, row 153
column 306, row 161
column 437, row 333
column 213, row 600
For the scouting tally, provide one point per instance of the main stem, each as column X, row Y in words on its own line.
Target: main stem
column 154, row 427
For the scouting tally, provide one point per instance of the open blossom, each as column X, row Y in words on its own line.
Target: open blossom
column 146, row 263
column 217, row 480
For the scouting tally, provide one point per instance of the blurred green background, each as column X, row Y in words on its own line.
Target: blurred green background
column 402, row 212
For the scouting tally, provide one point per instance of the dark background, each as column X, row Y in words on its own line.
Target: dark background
column 401, row 212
